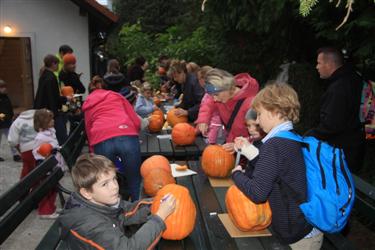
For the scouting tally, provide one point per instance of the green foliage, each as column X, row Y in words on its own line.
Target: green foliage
column 306, row 6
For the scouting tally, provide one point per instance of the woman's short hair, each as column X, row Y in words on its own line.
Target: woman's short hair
column 49, row 60
column 42, row 118
column 251, row 114
column 279, row 98
column 221, row 79
column 177, row 66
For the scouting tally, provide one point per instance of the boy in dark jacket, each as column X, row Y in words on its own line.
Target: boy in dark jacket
column 95, row 216
column 279, row 163
column 6, row 117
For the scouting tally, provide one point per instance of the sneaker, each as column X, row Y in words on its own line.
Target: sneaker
column 49, row 216
column 17, row 158
column 2, row 159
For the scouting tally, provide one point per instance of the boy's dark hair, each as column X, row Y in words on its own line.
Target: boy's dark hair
column 42, row 117
column 49, row 60
column 332, row 54
column 65, row 49
column 88, row 168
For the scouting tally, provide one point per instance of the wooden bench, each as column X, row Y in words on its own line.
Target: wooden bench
column 72, row 148
column 17, row 203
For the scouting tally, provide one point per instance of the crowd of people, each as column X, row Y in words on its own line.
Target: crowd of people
column 221, row 105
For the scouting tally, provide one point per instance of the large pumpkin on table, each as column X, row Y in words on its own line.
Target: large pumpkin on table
column 173, row 119
column 45, row 149
column 67, row 91
column 155, row 123
column 182, row 221
column 183, row 134
column 155, row 161
column 245, row 214
column 216, row 161
column 156, row 179
column 159, row 113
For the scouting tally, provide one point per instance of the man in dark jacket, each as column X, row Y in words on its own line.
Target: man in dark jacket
column 48, row 96
column 339, row 109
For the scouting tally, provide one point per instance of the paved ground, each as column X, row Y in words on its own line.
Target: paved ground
column 31, row 230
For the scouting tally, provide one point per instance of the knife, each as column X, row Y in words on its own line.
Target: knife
column 238, row 156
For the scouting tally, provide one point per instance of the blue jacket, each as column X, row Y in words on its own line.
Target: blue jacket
column 144, row 107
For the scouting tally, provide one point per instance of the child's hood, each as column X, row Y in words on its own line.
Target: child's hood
column 249, row 86
column 27, row 115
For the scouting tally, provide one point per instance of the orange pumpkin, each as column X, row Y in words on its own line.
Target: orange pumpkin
column 216, row 162
column 155, row 123
column 45, row 149
column 156, row 179
column 183, row 134
column 244, row 213
column 67, row 91
column 159, row 113
column 173, row 119
column 155, row 161
column 182, row 221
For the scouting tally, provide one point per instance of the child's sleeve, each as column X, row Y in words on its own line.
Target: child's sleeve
column 259, row 185
column 142, row 108
column 136, row 212
column 14, row 134
column 206, row 109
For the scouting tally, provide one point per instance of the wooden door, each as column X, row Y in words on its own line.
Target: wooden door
column 16, row 71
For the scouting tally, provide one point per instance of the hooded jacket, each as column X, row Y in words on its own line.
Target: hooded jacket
column 192, row 96
column 22, row 131
column 72, row 79
column 115, row 81
column 339, row 110
column 248, row 91
column 107, row 115
column 85, row 225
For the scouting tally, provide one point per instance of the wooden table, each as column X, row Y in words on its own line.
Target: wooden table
column 152, row 145
column 209, row 232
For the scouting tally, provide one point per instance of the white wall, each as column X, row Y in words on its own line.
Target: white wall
column 49, row 24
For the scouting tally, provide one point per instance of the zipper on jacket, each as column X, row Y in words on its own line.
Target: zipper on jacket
column 335, row 171
column 348, row 183
column 320, row 165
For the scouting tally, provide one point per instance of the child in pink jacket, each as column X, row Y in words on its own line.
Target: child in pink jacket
column 215, row 127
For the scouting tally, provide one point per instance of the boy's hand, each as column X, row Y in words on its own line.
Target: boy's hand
column 240, row 142
column 229, row 147
column 167, row 206
column 181, row 112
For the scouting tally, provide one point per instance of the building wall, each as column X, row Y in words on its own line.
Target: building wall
column 49, row 24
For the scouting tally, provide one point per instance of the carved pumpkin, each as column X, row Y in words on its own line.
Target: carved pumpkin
column 155, row 161
column 155, row 123
column 245, row 214
column 67, row 91
column 45, row 149
column 182, row 221
column 216, row 162
column 183, row 134
column 173, row 119
column 156, row 179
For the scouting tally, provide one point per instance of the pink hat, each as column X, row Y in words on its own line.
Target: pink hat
column 243, row 79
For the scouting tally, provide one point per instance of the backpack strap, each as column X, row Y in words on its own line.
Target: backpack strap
column 228, row 126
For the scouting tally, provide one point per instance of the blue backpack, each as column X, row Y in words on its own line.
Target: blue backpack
column 330, row 188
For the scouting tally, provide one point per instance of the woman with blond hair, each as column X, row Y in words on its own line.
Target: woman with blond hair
column 230, row 101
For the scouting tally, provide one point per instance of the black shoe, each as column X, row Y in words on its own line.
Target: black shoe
column 17, row 158
column 2, row 159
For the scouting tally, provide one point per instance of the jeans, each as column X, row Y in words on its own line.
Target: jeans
column 128, row 149
column 60, row 126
